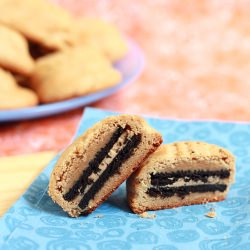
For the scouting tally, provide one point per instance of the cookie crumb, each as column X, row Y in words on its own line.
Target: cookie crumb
column 226, row 236
column 147, row 216
column 99, row 216
column 211, row 214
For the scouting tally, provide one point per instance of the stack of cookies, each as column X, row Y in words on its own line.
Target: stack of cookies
column 158, row 176
column 47, row 55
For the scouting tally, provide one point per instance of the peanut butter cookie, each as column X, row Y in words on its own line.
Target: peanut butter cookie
column 39, row 21
column 74, row 72
column 14, row 54
column 103, row 36
column 13, row 96
column 93, row 166
column 181, row 173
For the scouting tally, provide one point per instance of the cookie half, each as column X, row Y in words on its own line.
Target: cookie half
column 13, row 96
column 71, row 73
column 95, row 164
column 179, row 174
column 14, row 53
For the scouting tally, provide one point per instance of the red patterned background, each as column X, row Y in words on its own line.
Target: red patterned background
column 197, row 67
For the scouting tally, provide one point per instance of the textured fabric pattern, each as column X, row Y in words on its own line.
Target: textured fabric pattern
column 35, row 222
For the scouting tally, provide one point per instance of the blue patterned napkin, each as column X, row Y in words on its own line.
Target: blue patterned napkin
column 35, row 222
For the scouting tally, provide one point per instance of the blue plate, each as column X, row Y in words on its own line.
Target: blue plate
column 130, row 67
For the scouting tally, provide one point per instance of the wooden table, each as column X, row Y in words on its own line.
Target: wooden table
column 17, row 173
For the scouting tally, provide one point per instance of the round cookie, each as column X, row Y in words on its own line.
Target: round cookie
column 12, row 96
column 103, row 36
column 74, row 72
column 14, row 54
column 39, row 21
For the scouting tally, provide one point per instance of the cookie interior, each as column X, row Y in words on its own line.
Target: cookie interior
column 182, row 183
column 106, row 162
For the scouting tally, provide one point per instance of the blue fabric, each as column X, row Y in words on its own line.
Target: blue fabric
column 35, row 222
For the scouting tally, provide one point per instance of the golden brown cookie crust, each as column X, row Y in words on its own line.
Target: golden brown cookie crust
column 174, row 204
column 39, row 21
column 14, row 54
column 13, row 96
column 75, row 72
column 102, row 36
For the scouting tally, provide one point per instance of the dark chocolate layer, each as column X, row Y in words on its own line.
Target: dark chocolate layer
column 162, row 179
column 111, row 169
column 83, row 181
column 185, row 190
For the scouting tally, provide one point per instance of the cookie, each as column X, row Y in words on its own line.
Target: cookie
column 12, row 96
column 14, row 54
column 103, row 36
column 93, row 166
column 40, row 21
column 181, row 173
column 71, row 73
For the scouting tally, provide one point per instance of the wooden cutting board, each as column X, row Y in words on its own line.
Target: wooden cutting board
column 17, row 173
